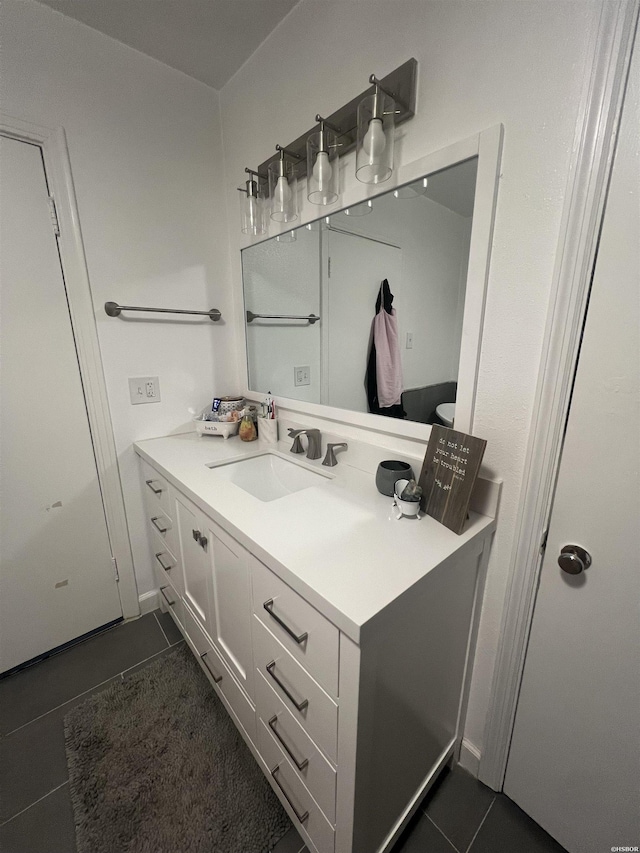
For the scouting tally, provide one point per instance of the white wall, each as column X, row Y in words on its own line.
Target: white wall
column 145, row 151
column 520, row 63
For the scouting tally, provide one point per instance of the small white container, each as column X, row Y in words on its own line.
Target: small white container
column 411, row 509
column 268, row 430
column 225, row 428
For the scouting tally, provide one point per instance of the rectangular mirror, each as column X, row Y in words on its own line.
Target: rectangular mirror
column 310, row 299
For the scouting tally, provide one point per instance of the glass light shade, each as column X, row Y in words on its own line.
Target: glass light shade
column 374, row 146
column 362, row 209
column 283, row 191
column 322, row 167
column 252, row 212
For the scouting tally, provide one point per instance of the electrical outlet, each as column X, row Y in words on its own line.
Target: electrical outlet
column 302, row 375
column 409, row 340
column 144, row 389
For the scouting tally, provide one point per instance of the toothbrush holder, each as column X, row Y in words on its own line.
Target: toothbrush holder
column 268, row 430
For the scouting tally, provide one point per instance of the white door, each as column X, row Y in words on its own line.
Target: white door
column 57, row 579
column 357, row 266
column 574, row 764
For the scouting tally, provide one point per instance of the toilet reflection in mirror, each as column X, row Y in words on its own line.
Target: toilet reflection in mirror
column 417, row 237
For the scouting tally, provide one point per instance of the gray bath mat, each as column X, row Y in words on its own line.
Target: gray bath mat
column 157, row 766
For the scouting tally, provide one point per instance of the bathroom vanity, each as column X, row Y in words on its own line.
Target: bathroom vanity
column 337, row 637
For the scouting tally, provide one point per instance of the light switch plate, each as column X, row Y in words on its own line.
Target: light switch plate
column 144, row 389
column 302, row 375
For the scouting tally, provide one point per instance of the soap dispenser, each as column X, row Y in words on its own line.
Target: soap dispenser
column 248, row 431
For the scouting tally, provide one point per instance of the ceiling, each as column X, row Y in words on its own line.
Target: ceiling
column 206, row 39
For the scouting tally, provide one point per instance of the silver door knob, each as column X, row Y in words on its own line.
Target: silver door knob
column 573, row 559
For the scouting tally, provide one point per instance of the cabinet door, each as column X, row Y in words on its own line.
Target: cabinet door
column 230, row 599
column 193, row 542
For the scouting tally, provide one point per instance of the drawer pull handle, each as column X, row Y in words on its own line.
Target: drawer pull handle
column 150, row 484
column 162, row 565
column 301, row 817
column 157, row 526
column 299, row 705
column 166, row 597
column 299, row 638
column 216, row 678
column 299, row 764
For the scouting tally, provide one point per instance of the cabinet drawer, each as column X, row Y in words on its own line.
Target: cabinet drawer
column 219, row 674
column 316, row 772
column 162, row 525
column 155, row 489
column 311, row 823
column 314, row 709
column 301, row 629
column 174, row 603
column 166, row 566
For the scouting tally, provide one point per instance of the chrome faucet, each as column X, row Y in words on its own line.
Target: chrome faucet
column 330, row 458
column 313, row 450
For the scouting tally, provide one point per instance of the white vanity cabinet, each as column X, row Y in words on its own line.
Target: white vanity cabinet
column 351, row 721
column 216, row 587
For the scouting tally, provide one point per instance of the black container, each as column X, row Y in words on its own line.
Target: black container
column 388, row 472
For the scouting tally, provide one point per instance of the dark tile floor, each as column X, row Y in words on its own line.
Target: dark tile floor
column 460, row 815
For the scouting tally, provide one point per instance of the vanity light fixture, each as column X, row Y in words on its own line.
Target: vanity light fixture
column 323, row 163
column 282, row 186
column 252, row 213
column 376, row 128
column 395, row 102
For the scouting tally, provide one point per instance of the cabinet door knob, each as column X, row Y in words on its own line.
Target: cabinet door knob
column 196, row 535
column 573, row 559
column 203, row 542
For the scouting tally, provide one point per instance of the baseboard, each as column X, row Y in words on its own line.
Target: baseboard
column 469, row 757
column 149, row 601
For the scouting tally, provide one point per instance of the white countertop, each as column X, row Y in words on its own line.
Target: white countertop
column 338, row 543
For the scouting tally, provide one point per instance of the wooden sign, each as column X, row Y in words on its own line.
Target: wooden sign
column 448, row 475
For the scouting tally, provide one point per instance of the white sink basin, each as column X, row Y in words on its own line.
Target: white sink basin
column 268, row 476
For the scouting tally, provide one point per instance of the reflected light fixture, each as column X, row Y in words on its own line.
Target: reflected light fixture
column 362, row 209
column 374, row 144
column 252, row 213
column 287, row 237
column 323, row 163
column 413, row 190
column 282, row 186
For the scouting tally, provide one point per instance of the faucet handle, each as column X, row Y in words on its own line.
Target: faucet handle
column 330, row 457
column 296, row 447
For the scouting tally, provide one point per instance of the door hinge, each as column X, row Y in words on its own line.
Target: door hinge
column 115, row 569
column 329, row 267
column 543, row 541
column 55, row 222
